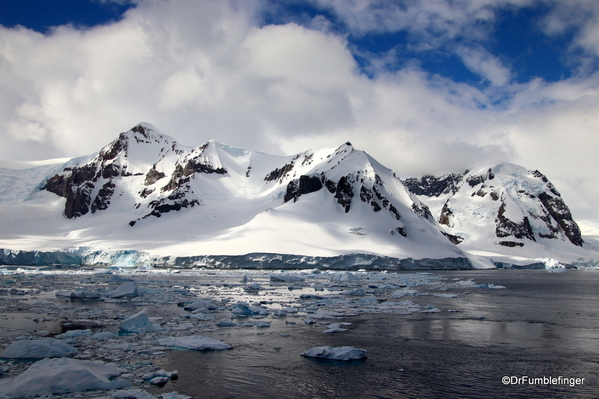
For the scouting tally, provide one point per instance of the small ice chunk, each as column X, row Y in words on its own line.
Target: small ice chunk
column 194, row 342
column 226, row 324
column 75, row 334
column 346, row 276
column 78, row 294
column 172, row 375
column 63, row 375
column 132, row 394
column 308, row 320
column 104, row 335
column 200, row 304
column 175, row 395
column 326, row 314
column 128, row 289
column 345, row 353
column 241, row 309
column 139, row 323
column 262, row 324
column 368, row 301
column 403, row 292
column 334, row 328
column 253, row 287
column 356, row 292
column 38, row 349
column 159, row 381
column 285, row 278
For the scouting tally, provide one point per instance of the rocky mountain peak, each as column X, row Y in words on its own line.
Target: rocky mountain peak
column 505, row 202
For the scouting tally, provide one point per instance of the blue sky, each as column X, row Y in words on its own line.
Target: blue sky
column 423, row 86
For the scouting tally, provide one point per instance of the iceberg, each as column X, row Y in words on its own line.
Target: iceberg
column 194, row 342
column 347, row 276
column 38, row 349
column 61, row 376
column 345, row 353
column 139, row 323
column 126, row 290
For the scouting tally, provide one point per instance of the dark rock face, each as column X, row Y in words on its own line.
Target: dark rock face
column 303, row 185
column 153, row 176
column 344, row 192
column 280, row 174
column 561, row 214
column 102, row 200
column 79, row 200
column 446, row 214
column 434, row 186
column 506, row 227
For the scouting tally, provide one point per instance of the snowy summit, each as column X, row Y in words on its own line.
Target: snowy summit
column 145, row 192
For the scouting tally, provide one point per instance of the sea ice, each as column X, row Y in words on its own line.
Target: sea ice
column 285, row 278
column 345, row 353
column 78, row 294
column 75, row 334
column 128, row 289
column 356, row 292
column 63, row 375
column 132, row 394
column 139, row 323
column 38, row 349
column 334, row 328
column 194, row 342
column 104, row 335
column 200, row 305
column 326, row 314
column 346, row 276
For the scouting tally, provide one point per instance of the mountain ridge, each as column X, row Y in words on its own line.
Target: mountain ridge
column 147, row 193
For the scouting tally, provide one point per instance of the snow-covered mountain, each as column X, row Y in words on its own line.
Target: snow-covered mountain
column 504, row 212
column 146, row 192
column 146, row 198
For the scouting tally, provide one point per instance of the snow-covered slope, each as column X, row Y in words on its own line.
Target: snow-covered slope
column 504, row 212
column 146, row 192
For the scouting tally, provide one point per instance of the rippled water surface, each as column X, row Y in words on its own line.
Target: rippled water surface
column 542, row 325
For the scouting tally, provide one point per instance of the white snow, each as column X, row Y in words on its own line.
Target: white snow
column 240, row 211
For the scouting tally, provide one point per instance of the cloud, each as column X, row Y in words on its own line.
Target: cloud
column 484, row 64
column 210, row 70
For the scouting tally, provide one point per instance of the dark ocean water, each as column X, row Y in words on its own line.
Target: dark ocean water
column 544, row 325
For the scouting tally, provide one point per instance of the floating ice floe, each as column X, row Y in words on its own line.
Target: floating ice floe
column 141, row 394
column 285, row 278
column 346, row 276
column 200, row 305
column 326, row 314
column 139, row 323
column 128, row 289
column 78, row 294
column 335, row 328
column 355, row 292
column 75, row 334
column 345, row 353
column 243, row 309
column 38, row 349
column 194, row 342
column 61, row 376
